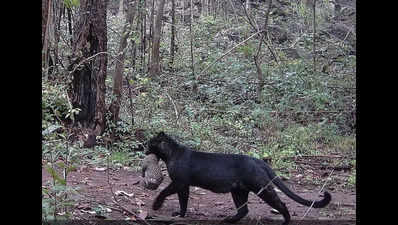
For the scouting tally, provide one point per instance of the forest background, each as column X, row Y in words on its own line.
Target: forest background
column 275, row 80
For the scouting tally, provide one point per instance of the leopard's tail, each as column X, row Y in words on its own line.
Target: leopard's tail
column 278, row 182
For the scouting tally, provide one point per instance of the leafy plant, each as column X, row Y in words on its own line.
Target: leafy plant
column 71, row 3
column 57, row 199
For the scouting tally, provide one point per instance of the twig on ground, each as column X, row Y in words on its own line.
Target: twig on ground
column 114, row 198
column 309, row 208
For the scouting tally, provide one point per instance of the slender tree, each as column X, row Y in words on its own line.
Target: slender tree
column 44, row 17
column 155, row 62
column 151, row 19
column 46, row 26
column 257, row 58
column 173, row 31
column 191, row 40
column 69, row 11
column 142, row 23
column 114, row 108
column 58, row 9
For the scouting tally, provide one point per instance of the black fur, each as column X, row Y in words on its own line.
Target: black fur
column 220, row 173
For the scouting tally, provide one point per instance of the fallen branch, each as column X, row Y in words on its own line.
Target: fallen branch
column 114, row 199
column 123, row 208
column 323, row 167
column 312, row 156
column 344, row 167
column 166, row 219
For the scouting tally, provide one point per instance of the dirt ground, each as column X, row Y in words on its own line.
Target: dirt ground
column 95, row 189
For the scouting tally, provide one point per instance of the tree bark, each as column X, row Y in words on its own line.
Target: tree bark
column 89, row 64
column 59, row 7
column 143, row 35
column 257, row 57
column 69, row 11
column 149, row 37
column 191, row 40
column 46, row 24
column 44, row 13
column 114, row 108
column 173, row 32
column 155, row 64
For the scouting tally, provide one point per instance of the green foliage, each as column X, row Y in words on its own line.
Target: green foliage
column 351, row 180
column 57, row 195
column 247, row 50
column 54, row 102
column 301, row 112
column 208, row 21
column 71, row 3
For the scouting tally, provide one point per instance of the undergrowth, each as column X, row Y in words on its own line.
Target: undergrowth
column 301, row 113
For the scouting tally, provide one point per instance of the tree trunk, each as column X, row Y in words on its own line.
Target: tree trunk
column 44, row 14
column 173, row 32
column 69, row 11
column 89, row 64
column 120, row 10
column 257, row 57
column 155, row 64
column 143, row 36
column 191, row 40
column 46, row 24
column 151, row 25
column 59, row 7
column 114, row 108
column 260, row 77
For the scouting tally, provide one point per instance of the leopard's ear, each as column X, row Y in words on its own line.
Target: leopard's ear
column 162, row 135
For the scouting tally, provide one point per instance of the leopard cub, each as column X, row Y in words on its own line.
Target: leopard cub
column 151, row 172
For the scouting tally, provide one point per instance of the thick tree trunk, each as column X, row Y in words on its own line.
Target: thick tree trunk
column 88, row 66
column 155, row 64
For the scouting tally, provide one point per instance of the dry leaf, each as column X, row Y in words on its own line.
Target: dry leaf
column 142, row 214
column 139, row 202
column 84, row 206
column 136, row 182
column 100, row 169
column 274, row 211
column 87, row 211
column 120, row 193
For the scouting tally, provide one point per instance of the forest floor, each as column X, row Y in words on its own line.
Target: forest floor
column 95, row 186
